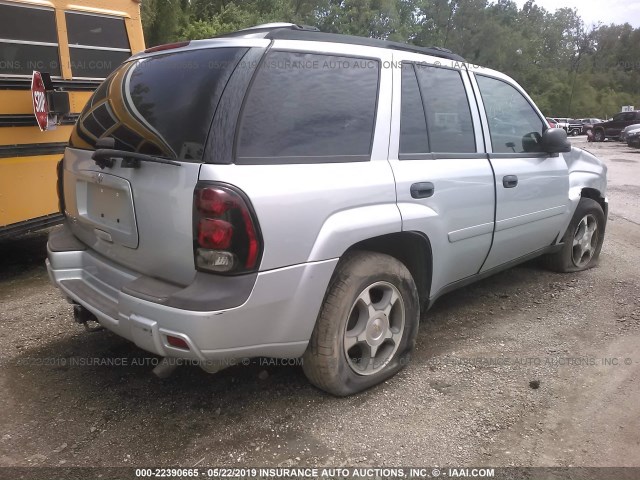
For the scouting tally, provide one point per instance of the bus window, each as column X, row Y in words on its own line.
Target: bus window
column 24, row 47
column 97, row 44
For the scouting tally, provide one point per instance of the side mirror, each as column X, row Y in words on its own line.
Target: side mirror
column 554, row 140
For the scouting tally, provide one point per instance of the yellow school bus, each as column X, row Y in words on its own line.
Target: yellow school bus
column 78, row 43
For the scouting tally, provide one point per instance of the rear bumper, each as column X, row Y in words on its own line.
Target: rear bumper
column 275, row 320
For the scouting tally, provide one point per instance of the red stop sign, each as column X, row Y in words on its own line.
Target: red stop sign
column 40, row 104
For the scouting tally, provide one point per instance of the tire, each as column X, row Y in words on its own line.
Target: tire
column 581, row 256
column 574, row 133
column 599, row 135
column 342, row 364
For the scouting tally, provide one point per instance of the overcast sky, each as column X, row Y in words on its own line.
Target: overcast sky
column 594, row 11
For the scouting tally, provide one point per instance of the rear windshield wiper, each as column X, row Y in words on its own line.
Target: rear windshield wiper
column 106, row 158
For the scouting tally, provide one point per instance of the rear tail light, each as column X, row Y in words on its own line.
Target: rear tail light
column 226, row 235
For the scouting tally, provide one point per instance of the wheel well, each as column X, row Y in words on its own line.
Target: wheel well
column 594, row 194
column 412, row 249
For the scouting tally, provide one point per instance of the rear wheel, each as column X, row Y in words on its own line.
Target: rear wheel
column 599, row 135
column 582, row 241
column 367, row 325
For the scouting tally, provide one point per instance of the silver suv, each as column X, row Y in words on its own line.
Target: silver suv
column 284, row 192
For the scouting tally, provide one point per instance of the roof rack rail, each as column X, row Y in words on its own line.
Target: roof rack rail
column 291, row 31
column 268, row 27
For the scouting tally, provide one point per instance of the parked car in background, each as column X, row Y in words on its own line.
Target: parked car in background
column 633, row 138
column 552, row 122
column 591, row 120
column 574, row 127
column 588, row 123
column 628, row 129
column 562, row 122
column 613, row 127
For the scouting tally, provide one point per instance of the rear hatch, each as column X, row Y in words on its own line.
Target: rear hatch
column 137, row 212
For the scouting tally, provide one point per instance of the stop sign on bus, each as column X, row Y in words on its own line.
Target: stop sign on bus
column 40, row 103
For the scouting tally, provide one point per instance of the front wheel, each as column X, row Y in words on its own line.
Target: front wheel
column 367, row 325
column 582, row 240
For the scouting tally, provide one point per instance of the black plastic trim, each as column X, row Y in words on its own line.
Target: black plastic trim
column 32, row 149
column 520, row 155
column 207, row 293
column 442, row 156
column 29, row 120
column 301, row 160
column 62, row 239
column 31, row 225
column 67, row 85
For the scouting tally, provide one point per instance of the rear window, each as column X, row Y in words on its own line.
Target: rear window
column 160, row 105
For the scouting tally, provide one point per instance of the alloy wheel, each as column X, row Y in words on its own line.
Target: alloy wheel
column 374, row 328
column 585, row 241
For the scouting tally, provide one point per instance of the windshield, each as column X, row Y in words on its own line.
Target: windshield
column 160, row 105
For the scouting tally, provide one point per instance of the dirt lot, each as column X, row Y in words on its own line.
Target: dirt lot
column 465, row 400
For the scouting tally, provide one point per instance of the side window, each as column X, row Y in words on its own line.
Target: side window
column 617, row 117
column 628, row 116
column 514, row 125
column 309, row 108
column 413, row 125
column 97, row 44
column 447, row 109
column 28, row 40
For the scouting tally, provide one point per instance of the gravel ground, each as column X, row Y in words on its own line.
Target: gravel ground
column 527, row 368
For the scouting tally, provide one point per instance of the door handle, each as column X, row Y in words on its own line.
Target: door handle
column 422, row 190
column 509, row 181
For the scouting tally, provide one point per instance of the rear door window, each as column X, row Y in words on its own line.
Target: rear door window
column 447, row 108
column 305, row 108
column 28, row 40
column 97, row 44
column 161, row 105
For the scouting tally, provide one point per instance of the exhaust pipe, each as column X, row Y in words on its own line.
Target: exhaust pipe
column 83, row 316
column 165, row 368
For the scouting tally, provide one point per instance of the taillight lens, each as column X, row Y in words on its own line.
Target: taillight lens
column 226, row 234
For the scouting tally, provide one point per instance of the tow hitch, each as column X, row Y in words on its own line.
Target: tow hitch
column 83, row 316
